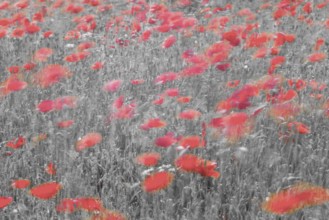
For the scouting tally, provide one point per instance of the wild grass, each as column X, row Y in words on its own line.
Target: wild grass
column 108, row 170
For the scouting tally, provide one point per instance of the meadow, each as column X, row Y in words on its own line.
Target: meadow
column 164, row 109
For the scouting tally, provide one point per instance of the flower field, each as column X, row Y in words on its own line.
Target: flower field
column 164, row 109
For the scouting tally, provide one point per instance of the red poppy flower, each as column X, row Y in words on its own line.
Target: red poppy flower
column 51, row 74
column 20, row 183
column 148, row 159
column 157, row 181
column 88, row 141
column 153, row 123
column 295, row 198
column 5, row 201
column 46, row 191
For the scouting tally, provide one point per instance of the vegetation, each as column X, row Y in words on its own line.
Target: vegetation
column 164, row 109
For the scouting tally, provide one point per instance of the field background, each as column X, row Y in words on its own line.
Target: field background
column 250, row 168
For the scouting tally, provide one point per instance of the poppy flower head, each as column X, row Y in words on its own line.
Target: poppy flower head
column 66, row 205
column 5, row 201
column 89, row 204
column 112, row 86
column 137, row 81
column 153, row 123
column 172, row 92
column 189, row 114
column 317, row 57
column 166, row 77
column 124, row 111
column 21, row 183
column 194, row 164
column 298, row 127
column 16, row 143
column 46, row 191
column 165, row 141
column 157, row 181
column 191, row 142
column 236, row 125
column 50, row 169
column 187, row 162
column 88, row 141
column 169, row 41
column 294, row 198
column 42, row 54
column 14, row 84
column 97, row 65
column 13, row 69
column 184, row 99
column 65, row 124
column 284, row 111
column 148, row 159
column 108, row 215
column 51, row 75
